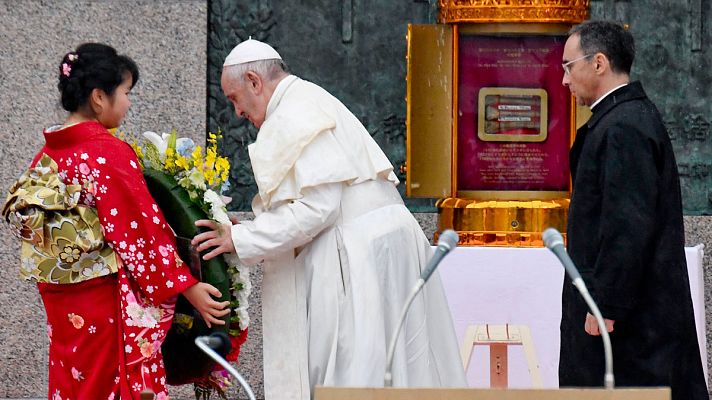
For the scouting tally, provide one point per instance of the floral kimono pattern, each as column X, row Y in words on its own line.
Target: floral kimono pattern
column 62, row 241
column 105, row 329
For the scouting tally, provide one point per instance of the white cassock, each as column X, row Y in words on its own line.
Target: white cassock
column 341, row 254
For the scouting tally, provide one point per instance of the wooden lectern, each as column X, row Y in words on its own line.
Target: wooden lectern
column 333, row 393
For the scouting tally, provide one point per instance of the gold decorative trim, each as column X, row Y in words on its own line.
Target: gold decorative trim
column 501, row 223
column 499, row 239
column 479, row 11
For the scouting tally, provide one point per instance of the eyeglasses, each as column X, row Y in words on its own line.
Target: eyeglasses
column 566, row 66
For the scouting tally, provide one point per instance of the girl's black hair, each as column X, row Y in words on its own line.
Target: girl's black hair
column 92, row 66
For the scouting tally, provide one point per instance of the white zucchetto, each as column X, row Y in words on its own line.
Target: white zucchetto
column 251, row 50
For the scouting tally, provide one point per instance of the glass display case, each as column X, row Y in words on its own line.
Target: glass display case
column 489, row 124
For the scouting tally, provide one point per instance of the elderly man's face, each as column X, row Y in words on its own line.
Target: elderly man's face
column 579, row 75
column 246, row 100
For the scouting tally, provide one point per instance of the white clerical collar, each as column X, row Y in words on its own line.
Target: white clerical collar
column 595, row 103
column 278, row 93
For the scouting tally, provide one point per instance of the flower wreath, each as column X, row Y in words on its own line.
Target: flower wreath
column 187, row 183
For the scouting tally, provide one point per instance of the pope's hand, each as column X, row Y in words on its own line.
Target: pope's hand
column 219, row 237
column 199, row 295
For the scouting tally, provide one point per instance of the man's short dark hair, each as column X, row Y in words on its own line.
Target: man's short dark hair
column 609, row 38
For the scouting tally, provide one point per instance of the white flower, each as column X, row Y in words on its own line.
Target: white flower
column 134, row 311
column 183, row 145
column 217, row 206
column 197, row 179
column 28, row 265
column 148, row 321
column 101, row 160
column 161, row 142
column 96, row 270
column 244, row 317
column 113, row 212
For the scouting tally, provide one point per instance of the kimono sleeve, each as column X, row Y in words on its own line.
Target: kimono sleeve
column 135, row 227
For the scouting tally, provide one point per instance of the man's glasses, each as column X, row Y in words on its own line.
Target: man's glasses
column 567, row 66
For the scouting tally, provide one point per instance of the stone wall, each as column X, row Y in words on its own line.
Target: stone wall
column 166, row 38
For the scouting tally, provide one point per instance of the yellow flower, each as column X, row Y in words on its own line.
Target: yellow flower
column 222, row 168
column 198, row 157
column 210, row 177
column 210, row 157
column 183, row 163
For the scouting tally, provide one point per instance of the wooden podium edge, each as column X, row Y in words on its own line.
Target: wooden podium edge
column 345, row 393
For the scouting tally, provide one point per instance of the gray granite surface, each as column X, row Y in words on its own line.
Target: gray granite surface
column 166, row 38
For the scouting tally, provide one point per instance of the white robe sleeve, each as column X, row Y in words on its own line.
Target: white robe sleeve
column 289, row 225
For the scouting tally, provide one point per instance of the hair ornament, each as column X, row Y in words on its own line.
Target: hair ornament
column 66, row 69
column 72, row 57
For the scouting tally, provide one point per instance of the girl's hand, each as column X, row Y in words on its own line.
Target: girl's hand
column 199, row 296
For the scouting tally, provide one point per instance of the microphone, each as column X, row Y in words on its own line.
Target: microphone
column 555, row 242
column 219, row 340
column 447, row 241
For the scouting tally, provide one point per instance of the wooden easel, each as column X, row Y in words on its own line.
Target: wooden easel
column 498, row 337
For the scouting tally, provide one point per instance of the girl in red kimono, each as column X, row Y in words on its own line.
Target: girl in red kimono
column 104, row 257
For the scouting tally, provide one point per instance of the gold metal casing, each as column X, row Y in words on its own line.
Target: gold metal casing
column 482, row 218
column 429, row 111
column 501, row 223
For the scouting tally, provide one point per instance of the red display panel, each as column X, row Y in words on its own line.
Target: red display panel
column 514, row 115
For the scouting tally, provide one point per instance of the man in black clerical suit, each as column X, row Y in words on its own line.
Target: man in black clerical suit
column 625, row 230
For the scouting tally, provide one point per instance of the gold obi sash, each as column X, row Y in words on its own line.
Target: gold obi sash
column 62, row 241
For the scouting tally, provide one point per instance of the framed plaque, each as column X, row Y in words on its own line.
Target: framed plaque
column 512, row 115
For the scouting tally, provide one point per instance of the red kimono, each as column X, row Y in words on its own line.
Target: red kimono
column 106, row 332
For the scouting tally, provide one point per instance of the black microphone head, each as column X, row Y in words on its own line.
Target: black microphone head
column 552, row 238
column 221, row 342
column 448, row 239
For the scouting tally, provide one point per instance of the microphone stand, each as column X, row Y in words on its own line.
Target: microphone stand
column 388, row 377
column 202, row 343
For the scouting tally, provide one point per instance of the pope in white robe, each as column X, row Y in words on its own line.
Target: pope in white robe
column 340, row 251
